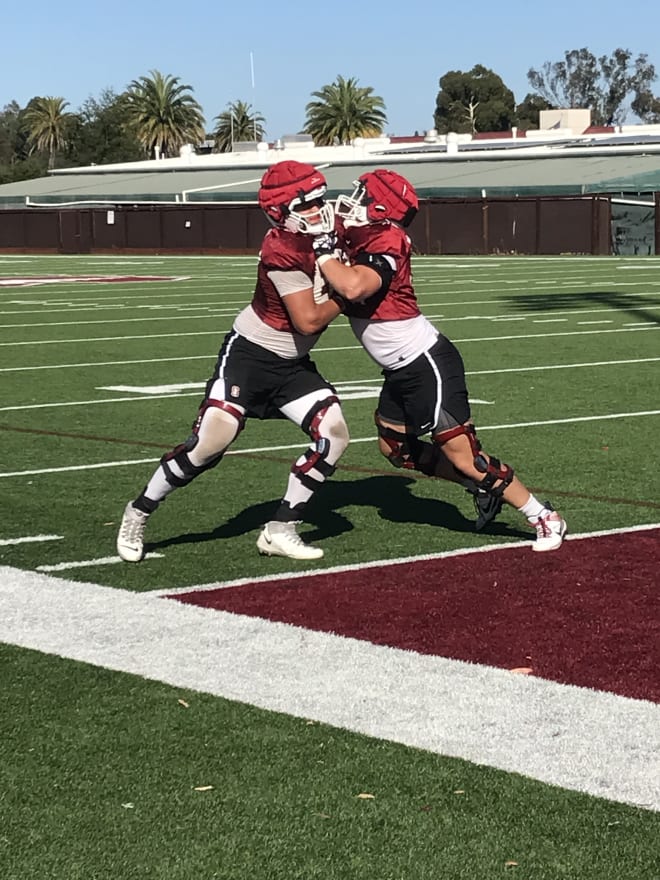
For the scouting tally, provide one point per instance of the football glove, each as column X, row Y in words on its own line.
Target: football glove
column 324, row 245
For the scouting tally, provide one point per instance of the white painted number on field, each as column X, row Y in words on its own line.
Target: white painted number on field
column 346, row 392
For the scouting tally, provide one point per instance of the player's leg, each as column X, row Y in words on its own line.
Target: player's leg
column 215, row 429
column 498, row 482
column 489, row 480
column 216, row 426
column 319, row 414
column 437, row 381
column 409, row 405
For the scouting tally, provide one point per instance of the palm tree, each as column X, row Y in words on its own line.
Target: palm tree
column 237, row 123
column 46, row 124
column 164, row 113
column 344, row 111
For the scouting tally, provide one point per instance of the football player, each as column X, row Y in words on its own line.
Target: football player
column 424, row 390
column 264, row 370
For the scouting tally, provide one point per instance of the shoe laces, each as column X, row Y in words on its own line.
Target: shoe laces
column 288, row 531
column 132, row 527
column 543, row 527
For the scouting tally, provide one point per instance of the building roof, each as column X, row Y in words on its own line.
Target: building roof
column 558, row 164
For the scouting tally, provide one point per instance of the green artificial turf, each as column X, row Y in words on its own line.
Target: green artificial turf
column 106, row 776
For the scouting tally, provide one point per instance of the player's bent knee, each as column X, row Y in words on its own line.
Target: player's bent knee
column 400, row 449
column 335, row 425
column 496, row 475
column 216, row 429
column 326, row 426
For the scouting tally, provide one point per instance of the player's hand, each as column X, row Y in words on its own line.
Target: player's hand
column 324, row 245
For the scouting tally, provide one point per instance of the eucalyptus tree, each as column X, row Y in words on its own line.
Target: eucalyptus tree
column 164, row 113
column 608, row 86
column 237, row 123
column 47, row 125
column 342, row 111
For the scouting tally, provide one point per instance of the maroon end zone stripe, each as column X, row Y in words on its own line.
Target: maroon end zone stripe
column 585, row 615
column 34, row 280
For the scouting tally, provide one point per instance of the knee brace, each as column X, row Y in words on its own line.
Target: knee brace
column 496, row 475
column 408, row 451
column 217, row 425
column 327, row 429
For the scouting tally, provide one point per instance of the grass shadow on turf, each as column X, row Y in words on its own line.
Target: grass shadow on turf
column 625, row 302
column 391, row 496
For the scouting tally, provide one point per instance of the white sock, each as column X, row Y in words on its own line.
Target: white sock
column 533, row 508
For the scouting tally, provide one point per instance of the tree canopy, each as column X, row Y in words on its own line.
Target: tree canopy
column 47, row 124
column 473, row 101
column 104, row 133
column 164, row 112
column 237, row 123
column 343, row 111
column 608, row 86
column 158, row 111
column 528, row 112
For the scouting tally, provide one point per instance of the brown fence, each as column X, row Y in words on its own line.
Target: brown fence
column 514, row 226
column 579, row 225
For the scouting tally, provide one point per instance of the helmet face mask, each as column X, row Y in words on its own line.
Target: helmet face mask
column 292, row 195
column 352, row 209
column 318, row 216
column 379, row 195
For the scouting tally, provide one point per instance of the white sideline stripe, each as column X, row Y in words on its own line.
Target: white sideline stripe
column 384, row 563
column 90, row 563
column 29, row 539
column 517, row 723
column 301, row 445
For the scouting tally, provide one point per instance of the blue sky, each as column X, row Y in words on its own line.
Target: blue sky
column 275, row 54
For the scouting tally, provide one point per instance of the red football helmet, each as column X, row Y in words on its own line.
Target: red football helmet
column 379, row 195
column 289, row 186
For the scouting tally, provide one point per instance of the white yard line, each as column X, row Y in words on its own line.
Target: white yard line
column 488, row 716
column 219, row 332
column 301, row 445
column 91, row 563
column 209, row 357
column 29, row 539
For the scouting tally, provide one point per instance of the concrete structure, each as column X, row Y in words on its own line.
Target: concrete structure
column 546, row 162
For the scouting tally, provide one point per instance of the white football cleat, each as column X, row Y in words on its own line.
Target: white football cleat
column 130, row 540
column 550, row 531
column 281, row 539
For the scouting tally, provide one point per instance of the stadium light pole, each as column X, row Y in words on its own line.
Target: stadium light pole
column 253, row 101
column 231, row 124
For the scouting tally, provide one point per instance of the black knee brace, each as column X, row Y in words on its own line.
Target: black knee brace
column 180, row 456
column 408, row 451
column 315, row 456
column 496, row 475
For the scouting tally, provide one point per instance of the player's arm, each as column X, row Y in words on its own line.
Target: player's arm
column 368, row 274
column 307, row 315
